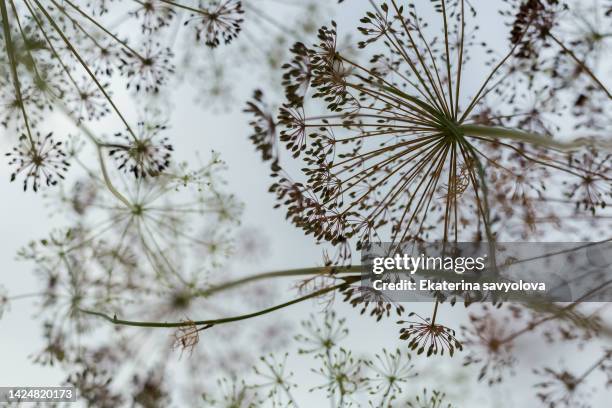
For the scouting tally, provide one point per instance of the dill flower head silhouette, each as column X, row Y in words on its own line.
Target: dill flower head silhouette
column 157, row 284
column 406, row 150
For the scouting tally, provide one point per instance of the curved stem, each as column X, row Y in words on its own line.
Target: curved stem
column 99, row 145
column 277, row 274
column 108, row 182
column 212, row 322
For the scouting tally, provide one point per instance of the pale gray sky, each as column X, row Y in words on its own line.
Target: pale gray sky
column 26, row 216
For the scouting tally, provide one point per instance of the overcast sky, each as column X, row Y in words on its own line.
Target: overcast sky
column 25, row 216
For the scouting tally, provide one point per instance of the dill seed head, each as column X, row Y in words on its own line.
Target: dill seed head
column 147, row 154
column 424, row 335
column 40, row 160
column 264, row 127
column 366, row 296
column 399, row 152
column 148, row 70
column 86, row 101
column 220, row 21
column 560, row 388
column 154, row 15
column 391, row 370
column 488, row 345
column 322, row 337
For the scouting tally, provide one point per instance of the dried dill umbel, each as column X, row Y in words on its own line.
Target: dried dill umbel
column 394, row 146
column 563, row 388
column 400, row 152
column 322, row 336
column 147, row 154
column 393, row 370
column 40, row 159
column 489, row 344
column 425, row 335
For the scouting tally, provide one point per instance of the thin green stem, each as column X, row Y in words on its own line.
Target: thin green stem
column 90, row 135
column 213, row 322
column 533, row 138
column 278, row 274
column 108, row 182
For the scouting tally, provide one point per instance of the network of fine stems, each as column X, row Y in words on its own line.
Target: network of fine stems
column 410, row 125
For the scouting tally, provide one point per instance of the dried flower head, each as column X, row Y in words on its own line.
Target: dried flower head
column 399, row 153
column 277, row 381
column 591, row 191
column 149, row 69
column 342, row 374
column 560, row 389
column 366, row 297
column 391, row 371
column 322, row 337
column 147, row 154
column 221, row 21
column 264, row 127
column 231, row 392
column 81, row 196
column 424, row 334
column 40, row 159
column 93, row 383
column 490, row 346
column 87, row 102
column 533, row 23
column 154, row 14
